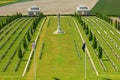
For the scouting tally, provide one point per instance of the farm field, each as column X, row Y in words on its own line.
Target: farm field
column 104, row 7
column 6, row 2
column 60, row 56
column 3, row 2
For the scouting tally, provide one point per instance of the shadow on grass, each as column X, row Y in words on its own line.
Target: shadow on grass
column 106, row 79
column 24, row 60
column 105, row 60
column 55, row 78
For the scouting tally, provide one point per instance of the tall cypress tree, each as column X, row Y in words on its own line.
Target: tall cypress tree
column 94, row 43
column 87, row 30
column 90, row 36
column 0, row 27
column 24, row 44
column 84, row 26
column 28, row 36
column 31, row 31
column 99, row 52
column 116, row 24
column 20, row 53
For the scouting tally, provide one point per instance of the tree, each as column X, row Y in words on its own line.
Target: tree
column 75, row 14
column 90, row 36
column 87, row 30
column 40, row 15
column 2, row 24
column 116, row 24
column 31, row 31
column 84, row 26
column 7, row 20
column 34, row 25
column 94, row 43
column 119, row 26
column 99, row 52
column 28, row 36
column 82, row 23
column 0, row 27
column 111, row 22
column 20, row 55
column 78, row 17
column 25, row 44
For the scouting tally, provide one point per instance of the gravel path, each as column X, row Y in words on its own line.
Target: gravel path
column 47, row 6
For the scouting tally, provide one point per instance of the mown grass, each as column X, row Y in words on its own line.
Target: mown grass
column 59, row 56
column 14, row 46
column 10, row 74
column 107, row 7
column 105, row 27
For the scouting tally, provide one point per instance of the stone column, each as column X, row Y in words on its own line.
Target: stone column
column 59, row 29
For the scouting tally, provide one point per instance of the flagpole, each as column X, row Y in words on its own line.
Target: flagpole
column 85, row 65
column 34, row 66
column 84, row 50
column 33, row 47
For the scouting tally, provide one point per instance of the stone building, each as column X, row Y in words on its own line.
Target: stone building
column 33, row 11
column 83, row 10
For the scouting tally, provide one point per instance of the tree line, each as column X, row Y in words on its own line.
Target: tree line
column 117, row 25
column 104, row 17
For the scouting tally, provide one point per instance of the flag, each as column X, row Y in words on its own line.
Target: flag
column 33, row 45
column 83, row 46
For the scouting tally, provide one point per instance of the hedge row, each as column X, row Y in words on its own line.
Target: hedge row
column 10, row 19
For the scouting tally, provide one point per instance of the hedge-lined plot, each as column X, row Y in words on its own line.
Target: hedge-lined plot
column 59, row 56
column 12, row 38
column 11, row 43
column 108, row 38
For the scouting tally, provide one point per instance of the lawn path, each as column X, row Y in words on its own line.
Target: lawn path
column 59, row 57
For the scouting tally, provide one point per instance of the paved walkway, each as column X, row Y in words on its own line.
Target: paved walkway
column 47, row 6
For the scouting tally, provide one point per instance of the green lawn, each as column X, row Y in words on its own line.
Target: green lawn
column 59, row 57
column 107, row 7
column 6, row 1
column 62, row 56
